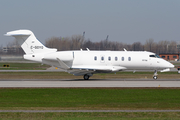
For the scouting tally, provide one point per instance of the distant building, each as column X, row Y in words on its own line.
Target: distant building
column 9, row 49
column 170, row 56
column 5, row 49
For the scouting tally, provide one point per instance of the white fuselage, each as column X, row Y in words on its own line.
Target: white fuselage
column 131, row 60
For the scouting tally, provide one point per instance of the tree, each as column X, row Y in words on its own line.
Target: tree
column 137, row 46
column 150, row 45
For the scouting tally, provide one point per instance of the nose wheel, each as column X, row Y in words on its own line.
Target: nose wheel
column 155, row 75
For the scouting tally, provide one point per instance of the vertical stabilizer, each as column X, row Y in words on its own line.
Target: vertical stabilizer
column 29, row 42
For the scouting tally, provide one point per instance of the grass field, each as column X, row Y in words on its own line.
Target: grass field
column 23, row 66
column 90, row 116
column 81, row 98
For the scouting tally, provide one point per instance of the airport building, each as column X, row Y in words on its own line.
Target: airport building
column 170, row 56
column 9, row 49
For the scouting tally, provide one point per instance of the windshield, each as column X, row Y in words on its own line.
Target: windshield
column 158, row 56
column 155, row 56
column 152, row 56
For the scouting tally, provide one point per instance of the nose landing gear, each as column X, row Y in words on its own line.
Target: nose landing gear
column 155, row 75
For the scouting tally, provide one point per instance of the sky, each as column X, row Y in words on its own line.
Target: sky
column 125, row 21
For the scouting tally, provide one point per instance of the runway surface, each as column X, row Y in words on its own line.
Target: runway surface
column 90, row 83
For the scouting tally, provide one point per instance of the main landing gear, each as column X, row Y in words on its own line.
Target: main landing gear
column 155, row 75
column 86, row 76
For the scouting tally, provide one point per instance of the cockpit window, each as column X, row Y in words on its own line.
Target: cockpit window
column 152, row 56
column 155, row 56
column 158, row 56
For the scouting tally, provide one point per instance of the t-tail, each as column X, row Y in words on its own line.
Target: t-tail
column 29, row 42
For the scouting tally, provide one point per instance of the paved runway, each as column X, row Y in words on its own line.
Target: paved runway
column 91, row 83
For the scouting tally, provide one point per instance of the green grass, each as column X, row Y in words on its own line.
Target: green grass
column 90, row 116
column 90, row 98
column 23, row 66
column 37, row 75
column 79, row 98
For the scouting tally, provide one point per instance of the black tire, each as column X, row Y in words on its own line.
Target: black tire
column 86, row 77
column 155, row 77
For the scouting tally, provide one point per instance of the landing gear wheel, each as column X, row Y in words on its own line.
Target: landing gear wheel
column 86, row 77
column 155, row 77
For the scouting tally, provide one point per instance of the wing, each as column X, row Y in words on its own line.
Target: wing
column 83, row 69
column 56, row 62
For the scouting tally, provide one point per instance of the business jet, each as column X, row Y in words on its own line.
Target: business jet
column 86, row 62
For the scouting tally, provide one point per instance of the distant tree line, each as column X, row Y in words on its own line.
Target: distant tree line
column 77, row 42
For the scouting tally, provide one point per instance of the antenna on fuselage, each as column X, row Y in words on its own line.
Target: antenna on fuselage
column 84, row 34
column 125, row 49
column 87, row 49
column 107, row 37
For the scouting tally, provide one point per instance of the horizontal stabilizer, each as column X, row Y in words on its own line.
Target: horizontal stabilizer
column 18, row 33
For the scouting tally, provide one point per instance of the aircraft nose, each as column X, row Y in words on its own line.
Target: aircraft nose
column 171, row 65
column 167, row 64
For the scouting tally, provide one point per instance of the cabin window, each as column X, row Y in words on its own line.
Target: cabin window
column 95, row 57
column 116, row 58
column 129, row 58
column 109, row 58
column 122, row 58
column 102, row 58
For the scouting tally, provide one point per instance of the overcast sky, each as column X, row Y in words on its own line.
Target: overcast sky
column 126, row 21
